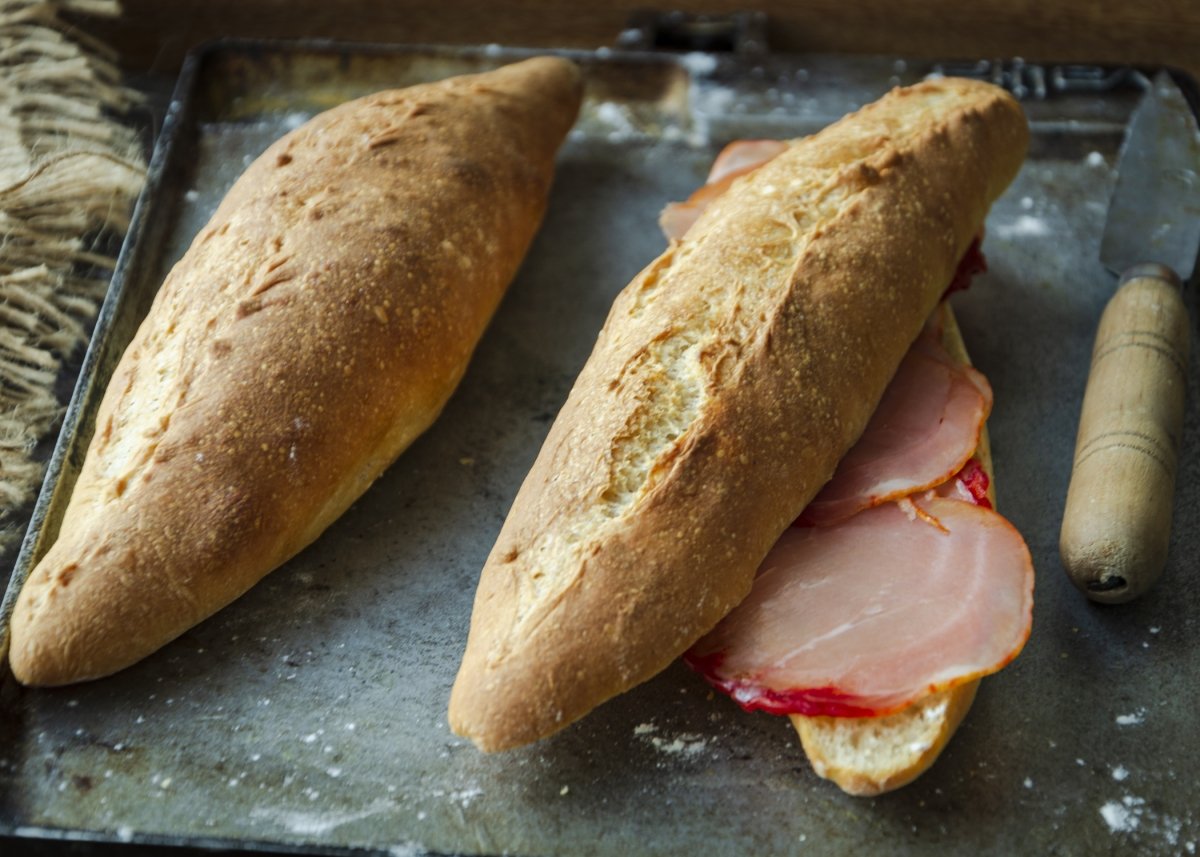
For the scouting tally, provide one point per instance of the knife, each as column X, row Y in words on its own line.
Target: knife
column 1117, row 520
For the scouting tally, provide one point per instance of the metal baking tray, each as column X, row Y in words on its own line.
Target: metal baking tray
column 310, row 715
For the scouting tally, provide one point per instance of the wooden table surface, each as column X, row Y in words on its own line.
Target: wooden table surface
column 155, row 34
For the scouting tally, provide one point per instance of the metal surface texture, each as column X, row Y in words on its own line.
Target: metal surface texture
column 310, row 714
column 1155, row 211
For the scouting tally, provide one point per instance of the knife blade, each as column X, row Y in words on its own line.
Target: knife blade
column 1117, row 519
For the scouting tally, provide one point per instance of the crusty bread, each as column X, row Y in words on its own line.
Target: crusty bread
column 868, row 756
column 730, row 377
column 315, row 327
column 872, row 755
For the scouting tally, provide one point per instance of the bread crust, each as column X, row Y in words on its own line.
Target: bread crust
column 730, row 377
column 314, row 328
column 868, row 756
column 881, row 754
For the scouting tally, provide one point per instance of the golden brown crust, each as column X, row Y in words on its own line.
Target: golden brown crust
column 730, row 377
column 316, row 326
column 884, row 753
column 872, row 755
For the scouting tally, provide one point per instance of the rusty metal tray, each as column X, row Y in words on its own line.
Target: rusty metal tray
column 310, row 715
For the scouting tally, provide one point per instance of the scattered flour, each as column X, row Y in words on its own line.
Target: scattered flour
column 294, row 120
column 1131, row 813
column 683, row 744
column 1118, row 817
column 1023, row 226
column 617, row 119
column 406, row 849
column 1134, row 719
column 464, row 796
column 699, row 64
column 317, row 823
column 716, row 101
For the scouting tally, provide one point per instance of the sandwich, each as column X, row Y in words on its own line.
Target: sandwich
column 315, row 327
column 731, row 378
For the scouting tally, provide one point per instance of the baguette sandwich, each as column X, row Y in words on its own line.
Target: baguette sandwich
column 730, row 379
column 314, row 328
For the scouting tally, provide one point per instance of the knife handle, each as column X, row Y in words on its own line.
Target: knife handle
column 1117, row 520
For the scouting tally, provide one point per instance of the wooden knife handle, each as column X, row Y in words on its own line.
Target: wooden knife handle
column 1117, row 520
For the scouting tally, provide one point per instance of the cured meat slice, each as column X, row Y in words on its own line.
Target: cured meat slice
column 925, row 429
column 735, row 160
column 865, row 617
column 743, row 156
column 929, row 343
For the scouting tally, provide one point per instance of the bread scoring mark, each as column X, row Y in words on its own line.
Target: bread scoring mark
column 143, row 411
column 719, row 326
column 66, row 574
column 273, row 272
column 668, row 383
column 645, row 287
column 395, row 133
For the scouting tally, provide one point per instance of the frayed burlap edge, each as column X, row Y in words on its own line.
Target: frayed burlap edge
column 69, row 174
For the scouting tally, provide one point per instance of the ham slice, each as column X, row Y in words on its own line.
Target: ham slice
column 743, row 156
column 865, row 617
column 924, row 431
column 929, row 343
column 735, row 160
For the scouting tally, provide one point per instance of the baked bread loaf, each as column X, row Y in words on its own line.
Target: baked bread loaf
column 314, row 328
column 731, row 376
column 868, row 756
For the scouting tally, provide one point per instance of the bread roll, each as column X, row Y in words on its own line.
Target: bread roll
column 730, row 377
column 315, row 327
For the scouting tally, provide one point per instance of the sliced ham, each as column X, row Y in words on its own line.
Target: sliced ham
column 865, row 617
column 924, row 431
column 929, row 343
column 678, row 217
column 735, row 160
column 743, row 156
